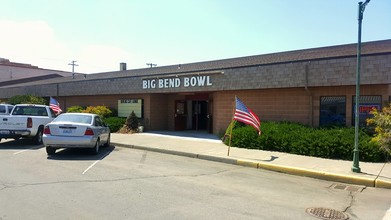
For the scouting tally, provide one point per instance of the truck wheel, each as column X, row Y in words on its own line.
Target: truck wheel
column 38, row 137
column 50, row 150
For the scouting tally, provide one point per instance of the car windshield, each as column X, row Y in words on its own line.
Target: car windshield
column 84, row 119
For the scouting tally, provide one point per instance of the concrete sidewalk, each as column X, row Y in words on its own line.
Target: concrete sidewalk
column 209, row 147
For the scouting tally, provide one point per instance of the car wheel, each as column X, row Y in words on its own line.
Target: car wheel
column 50, row 150
column 107, row 144
column 95, row 150
column 38, row 136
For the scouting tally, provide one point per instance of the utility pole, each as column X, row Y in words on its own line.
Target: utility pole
column 73, row 64
column 151, row 65
column 356, row 167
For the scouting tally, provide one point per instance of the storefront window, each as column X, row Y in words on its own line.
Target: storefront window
column 332, row 111
column 367, row 103
column 127, row 106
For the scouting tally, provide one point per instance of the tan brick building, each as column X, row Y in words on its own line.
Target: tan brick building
column 315, row 87
column 12, row 73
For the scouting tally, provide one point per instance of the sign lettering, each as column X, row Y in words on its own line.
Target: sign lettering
column 194, row 81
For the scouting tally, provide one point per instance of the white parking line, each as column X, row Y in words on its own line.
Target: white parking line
column 33, row 148
column 85, row 171
column 387, row 216
column 93, row 164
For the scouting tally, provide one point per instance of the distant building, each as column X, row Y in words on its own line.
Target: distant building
column 15, row 73
column 315, row 87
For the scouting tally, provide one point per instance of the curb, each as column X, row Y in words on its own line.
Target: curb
column 356, row 180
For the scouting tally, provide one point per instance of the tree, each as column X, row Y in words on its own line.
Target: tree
column 132, row 121
column 382, row 121
column 131, row 124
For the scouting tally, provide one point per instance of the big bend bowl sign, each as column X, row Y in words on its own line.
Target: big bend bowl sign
column 176, row 82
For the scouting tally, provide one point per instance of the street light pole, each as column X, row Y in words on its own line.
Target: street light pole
column 356, row 167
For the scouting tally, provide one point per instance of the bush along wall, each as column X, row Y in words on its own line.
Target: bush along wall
column 114, row 123
column 332, row 143
column 108, row 115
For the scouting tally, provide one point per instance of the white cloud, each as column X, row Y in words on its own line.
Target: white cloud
column 35, row 43
column 31, row 42
column 101, row 58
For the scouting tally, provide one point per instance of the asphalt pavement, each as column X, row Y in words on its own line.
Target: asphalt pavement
column 209, row 147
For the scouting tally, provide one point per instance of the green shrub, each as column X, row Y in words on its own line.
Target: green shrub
column 333, row 143
column 382, row 122
column 248, row 136
column 102, row 111
column 114, row 123
column 27, row 99
column 76, row 108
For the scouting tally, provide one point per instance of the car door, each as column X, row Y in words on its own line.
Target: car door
column 101, row 128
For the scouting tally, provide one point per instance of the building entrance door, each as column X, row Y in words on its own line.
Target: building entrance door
column 199, row 115
column 180, row 115
column 194, row 113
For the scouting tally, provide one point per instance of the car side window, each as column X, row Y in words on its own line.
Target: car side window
column 98, row 122
column 42, row 112
column 18, row 111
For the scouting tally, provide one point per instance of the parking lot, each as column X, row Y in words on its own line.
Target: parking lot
column 28, row 153
column 122, row 183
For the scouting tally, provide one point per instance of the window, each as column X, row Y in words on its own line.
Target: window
column 367, row 103
column 30, row 110
column 98, row 122
column 332, row 111
column 126, row 106
column 2, row 109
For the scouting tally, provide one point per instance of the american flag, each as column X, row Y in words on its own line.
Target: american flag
column 245, row 115
column 54, row 105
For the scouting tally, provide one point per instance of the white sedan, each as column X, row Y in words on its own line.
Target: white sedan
column 76, row 130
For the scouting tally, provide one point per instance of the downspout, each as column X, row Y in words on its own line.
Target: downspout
column 310, row 107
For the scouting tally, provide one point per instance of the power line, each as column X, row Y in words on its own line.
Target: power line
column 151, row 65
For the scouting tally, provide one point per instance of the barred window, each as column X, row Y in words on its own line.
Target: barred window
column 332, row 111
column 367, row 103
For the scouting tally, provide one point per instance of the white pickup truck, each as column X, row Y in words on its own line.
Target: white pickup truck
column 5, row 109
column 27, row 121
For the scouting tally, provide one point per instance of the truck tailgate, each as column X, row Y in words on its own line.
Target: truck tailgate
column 13, row 122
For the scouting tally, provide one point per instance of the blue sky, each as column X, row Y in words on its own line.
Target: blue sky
column 99, row 34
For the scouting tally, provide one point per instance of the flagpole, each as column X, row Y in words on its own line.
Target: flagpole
column 230, row 137
column 232, row 125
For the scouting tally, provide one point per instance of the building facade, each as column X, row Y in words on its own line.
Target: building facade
column 314, row 87
column 12, row 73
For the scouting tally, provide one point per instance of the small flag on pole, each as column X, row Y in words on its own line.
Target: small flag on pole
column 54, row 105
column 245, row 115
